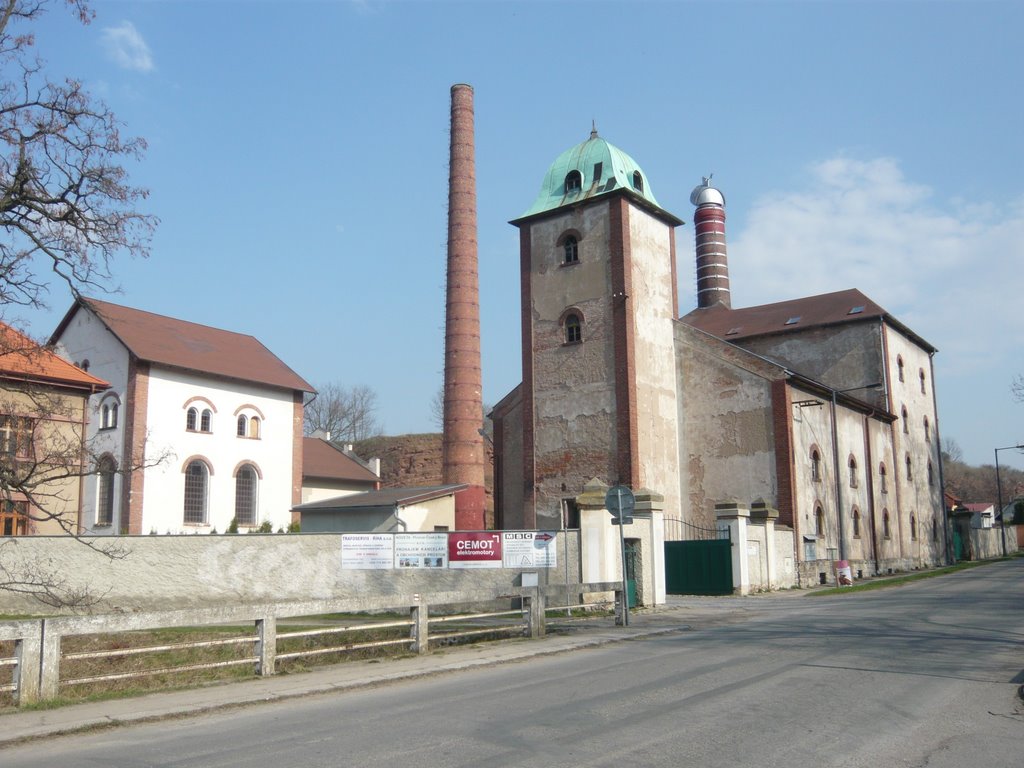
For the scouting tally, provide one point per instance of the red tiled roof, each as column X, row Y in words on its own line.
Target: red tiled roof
column 23, row 359
column 323, row 460
column 181, row 344
column 794, row 315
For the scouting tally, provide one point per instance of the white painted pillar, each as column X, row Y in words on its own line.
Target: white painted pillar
column 734, row 517
column 761, row 512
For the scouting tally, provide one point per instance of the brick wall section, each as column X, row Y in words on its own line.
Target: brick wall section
column 297, row 419
column 783, row 429
column 526, row 299
column 135, row 429
column 620, row 257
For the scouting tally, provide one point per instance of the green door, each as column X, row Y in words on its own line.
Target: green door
column 701, row 567
column 632, row 568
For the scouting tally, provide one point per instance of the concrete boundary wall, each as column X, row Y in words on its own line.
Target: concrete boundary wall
column 195, row 571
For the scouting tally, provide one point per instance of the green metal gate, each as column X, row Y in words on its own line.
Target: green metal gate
column 700, row 565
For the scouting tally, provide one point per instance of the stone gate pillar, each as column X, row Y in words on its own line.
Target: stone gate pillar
column 734, row 516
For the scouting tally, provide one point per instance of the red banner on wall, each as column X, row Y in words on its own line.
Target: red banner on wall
column 474, row 550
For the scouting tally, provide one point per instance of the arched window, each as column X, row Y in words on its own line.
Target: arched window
column 106, row 469
column 883, row 480
column 245, row 496
column 573, row 181
column 906, row 420
column 899, row 366
column 254, row 427
column 573, row 329
column 191, row 419
column 242, row 429
column 206, row 422
column 886, row 532
column 856, row 523
column 920, row 373
column 571, row 250
column 854, row 481
column 819, row 521
column 910, row 473
column 196, row 481
column 927, row 430
column 815, row 465
column 638, row 181
column 913, row 527
column 931, row 473
column 935, row 529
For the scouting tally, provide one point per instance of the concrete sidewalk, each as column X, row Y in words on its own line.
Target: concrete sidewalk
column 566, row 635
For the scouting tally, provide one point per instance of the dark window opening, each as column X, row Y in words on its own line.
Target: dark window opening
column 573, row 181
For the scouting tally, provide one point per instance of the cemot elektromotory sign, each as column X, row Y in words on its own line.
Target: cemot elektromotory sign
column 474, row 550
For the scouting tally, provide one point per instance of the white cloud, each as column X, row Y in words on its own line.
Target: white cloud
column 126, row 47
column 949, row 269
column 938, row 266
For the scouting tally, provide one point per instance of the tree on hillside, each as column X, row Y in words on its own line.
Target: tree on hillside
column 66, row 209
column 346, row 414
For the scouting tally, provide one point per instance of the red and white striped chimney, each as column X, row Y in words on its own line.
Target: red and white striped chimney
column 712, row 256
column 463, row 398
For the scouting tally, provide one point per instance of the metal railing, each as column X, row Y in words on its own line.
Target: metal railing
column 39, row 656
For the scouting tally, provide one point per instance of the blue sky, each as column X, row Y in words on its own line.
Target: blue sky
column 298, row 163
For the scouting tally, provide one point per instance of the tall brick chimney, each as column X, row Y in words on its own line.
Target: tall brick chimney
column 463, row 399
column 712, row 257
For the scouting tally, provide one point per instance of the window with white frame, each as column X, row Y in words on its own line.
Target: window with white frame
column 245, row 495
column 196, row 488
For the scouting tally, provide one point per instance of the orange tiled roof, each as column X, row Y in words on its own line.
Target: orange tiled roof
column 23, row 359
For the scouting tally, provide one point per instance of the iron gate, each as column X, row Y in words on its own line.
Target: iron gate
column 701, row 564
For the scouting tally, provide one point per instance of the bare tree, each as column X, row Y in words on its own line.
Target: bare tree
column 345, row 413
column 1017, row 388
column 66, row 209
column 951, row 450
column 66, row 206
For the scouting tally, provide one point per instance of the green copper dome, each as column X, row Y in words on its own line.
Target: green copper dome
column 589, row 170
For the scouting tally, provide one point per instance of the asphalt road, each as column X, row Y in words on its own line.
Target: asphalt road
column 921, row 675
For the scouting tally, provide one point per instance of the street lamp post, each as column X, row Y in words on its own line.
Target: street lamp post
column 999, row 494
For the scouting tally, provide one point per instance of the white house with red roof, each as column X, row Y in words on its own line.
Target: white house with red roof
column 200, row 426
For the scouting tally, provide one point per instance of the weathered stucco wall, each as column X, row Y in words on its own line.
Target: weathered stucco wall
column 169, row 572
column 727, row 446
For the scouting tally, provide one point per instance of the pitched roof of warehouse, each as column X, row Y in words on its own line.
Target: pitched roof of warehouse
column 797, row 314
column 386, row 497
column 190, row 346
column 328, row 461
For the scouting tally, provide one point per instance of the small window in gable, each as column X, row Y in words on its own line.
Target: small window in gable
column 899, row 366
column 931, row 474
column 853, row 472
column 924, row 390
column 573, row 329
column 927, row 430
column 191, row 419
column 638, row 181
column 571, row 250
column 573, row 181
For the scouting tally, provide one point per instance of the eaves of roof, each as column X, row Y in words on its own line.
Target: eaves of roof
column 187, row 346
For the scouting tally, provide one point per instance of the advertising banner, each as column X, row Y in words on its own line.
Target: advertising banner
column 474, row 550
column 529, row 549
column 367, row 551
column 421, row 550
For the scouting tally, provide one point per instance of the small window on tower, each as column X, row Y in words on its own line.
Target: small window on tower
column 638, row 181
column 598, row 168
column 571, row 248
column 573, row 181
column 573, row 329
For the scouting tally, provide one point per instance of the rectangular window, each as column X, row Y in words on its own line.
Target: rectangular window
column 14, row 518
column 16, row 436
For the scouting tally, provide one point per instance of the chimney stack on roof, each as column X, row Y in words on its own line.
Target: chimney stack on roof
column 712, row 257
column 463, row 397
